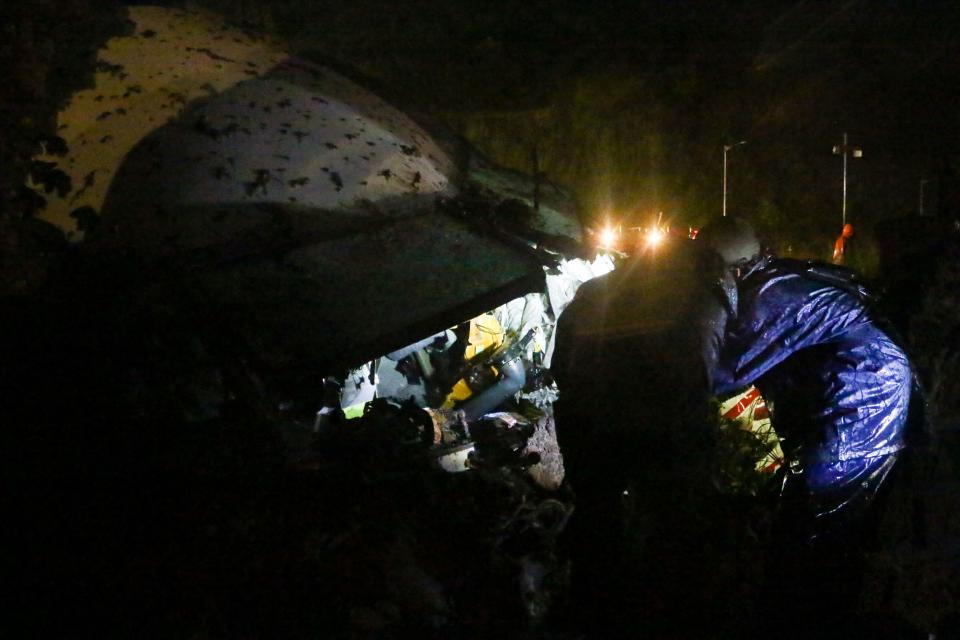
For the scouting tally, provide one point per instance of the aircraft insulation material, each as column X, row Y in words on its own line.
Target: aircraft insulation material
column 192, row 111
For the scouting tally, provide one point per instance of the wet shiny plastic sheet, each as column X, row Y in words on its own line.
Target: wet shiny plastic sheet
column 839, row 386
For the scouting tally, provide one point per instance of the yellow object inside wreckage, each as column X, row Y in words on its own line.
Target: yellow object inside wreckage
column 485, row 334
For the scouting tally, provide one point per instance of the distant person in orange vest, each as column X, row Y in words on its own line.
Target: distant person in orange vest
column 841, row 248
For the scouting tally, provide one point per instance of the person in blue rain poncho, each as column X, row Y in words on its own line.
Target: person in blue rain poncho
column 839, row 390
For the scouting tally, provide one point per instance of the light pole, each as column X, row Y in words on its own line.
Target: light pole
column 845, row 150
column 727, row 148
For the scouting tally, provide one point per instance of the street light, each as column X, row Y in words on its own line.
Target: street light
column 846, row 150
column 727, row 148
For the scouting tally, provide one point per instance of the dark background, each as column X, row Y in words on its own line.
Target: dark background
column 628, row 104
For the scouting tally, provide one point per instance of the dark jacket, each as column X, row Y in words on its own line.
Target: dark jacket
column 635, row 350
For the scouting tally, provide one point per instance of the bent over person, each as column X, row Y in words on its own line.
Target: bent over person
column 633, row 356
column 839, row 391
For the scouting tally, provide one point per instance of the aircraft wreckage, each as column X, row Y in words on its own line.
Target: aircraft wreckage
column 351, row 254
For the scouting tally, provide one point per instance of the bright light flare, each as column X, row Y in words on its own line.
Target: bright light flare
column 607, row 237
column 654, row 237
